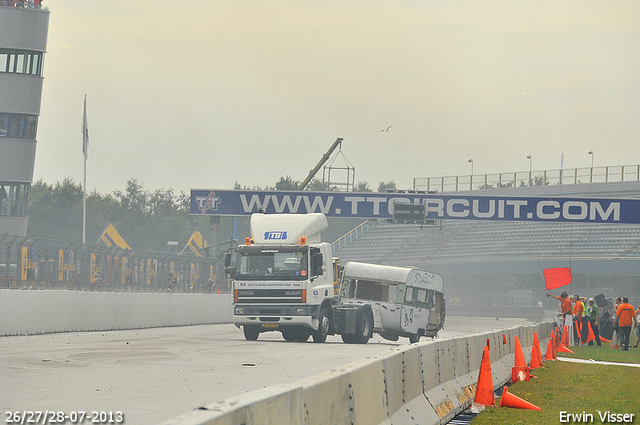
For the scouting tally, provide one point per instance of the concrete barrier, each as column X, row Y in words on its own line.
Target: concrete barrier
column 415, row 407
column 328, row 399
column 426, row 383
column 279, row 404
column 535, row 314
column 38, row 312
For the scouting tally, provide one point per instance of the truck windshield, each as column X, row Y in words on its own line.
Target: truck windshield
column 273, row 263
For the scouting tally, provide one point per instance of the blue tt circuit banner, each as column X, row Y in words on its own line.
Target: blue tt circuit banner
column 436, row 206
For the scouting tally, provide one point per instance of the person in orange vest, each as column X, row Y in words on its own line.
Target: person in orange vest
column 565, row 308
column 625, row 316
column 578, row 309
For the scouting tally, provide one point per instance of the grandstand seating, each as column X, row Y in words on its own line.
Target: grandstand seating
column 466, row 241
column 471, row 241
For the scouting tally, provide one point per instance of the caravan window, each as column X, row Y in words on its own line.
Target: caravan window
column 422, row 296
column 418, row 297
column 408, row 296
column 367, row 290
column 348, row 288
column 371, row 290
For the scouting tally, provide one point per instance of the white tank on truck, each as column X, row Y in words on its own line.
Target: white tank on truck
column 283, row 280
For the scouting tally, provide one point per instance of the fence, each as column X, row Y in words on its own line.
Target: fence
column 528, row 178
column 36, row 263
column 26, row 4
column 351, row 236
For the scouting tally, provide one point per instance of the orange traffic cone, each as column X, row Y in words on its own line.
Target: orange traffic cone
column 564, row 349
column 520, row 373
column 614, row 340
column 510, row 400
column 520, row 361
column 484, row 390
column 565, row 337
column 549, row 355
column 536, row 355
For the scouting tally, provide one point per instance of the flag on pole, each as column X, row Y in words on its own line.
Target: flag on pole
column 196, row 244
column 111, row 237
column 557, row 277
column 85, row 131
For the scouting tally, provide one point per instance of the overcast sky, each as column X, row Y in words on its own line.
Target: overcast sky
column 203, row 94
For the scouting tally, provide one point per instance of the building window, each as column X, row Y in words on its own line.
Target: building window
column 13, row 199
column 18, row 126
column 21, row 62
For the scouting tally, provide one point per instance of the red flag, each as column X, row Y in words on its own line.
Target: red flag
column 557, row 277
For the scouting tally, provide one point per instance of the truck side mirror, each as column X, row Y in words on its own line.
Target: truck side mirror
column 229, row 271
column 317, row 264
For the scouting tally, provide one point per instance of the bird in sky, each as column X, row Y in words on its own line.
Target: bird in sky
column 386, row 129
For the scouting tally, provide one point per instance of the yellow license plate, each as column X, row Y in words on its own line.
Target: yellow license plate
column 269, row 325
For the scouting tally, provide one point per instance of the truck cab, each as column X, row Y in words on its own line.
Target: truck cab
column 283, row 278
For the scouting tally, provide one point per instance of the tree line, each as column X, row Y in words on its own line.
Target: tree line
column 145, row 219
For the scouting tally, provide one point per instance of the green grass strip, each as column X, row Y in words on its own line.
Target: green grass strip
column 577, row 389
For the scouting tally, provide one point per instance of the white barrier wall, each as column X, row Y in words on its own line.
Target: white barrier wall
column 36, row 312
column 426, row 383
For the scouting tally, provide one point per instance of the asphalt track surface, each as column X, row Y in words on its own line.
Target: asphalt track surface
column 152, row 375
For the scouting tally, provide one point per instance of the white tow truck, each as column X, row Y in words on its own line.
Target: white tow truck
column 283, row 280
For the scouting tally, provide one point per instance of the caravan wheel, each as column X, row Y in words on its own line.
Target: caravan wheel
column 323, row 327
column 364, row 328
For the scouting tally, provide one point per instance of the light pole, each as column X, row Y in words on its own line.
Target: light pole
column 530, row 158
column 591, row 178
column 471, row 177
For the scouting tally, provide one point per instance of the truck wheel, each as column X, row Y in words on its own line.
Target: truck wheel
column 302, row 335
column 323, row 327
column 364, row 327
column 289, row 335
column 348, row 338
column 251, row 332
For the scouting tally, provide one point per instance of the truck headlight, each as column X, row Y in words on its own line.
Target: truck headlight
column 239, row 311
column 301, row 311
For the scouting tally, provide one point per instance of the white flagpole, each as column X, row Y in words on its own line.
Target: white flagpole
column 85, row 146
column 561, row 165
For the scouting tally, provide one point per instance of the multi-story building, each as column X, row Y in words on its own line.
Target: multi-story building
column 23, row 39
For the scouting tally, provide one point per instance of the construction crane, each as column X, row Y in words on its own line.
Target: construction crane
column 322, row 161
